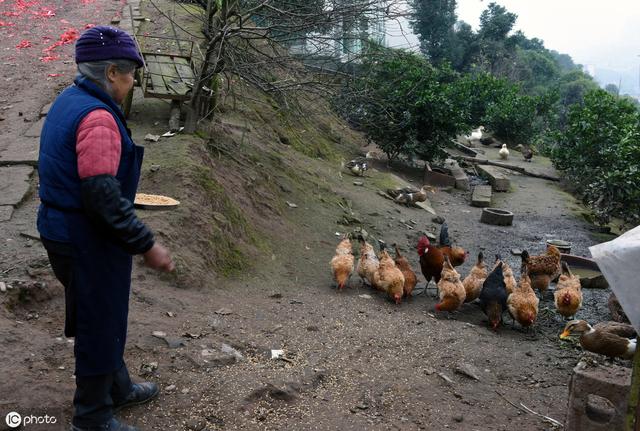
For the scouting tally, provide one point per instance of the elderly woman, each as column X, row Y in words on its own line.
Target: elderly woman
column 89, row 169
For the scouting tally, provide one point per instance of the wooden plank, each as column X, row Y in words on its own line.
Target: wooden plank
column 184, row 70
column 155, row 73
column 171, row 77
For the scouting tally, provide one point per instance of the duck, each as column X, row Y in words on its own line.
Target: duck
column 527, row 153
column 476, row 134
column 504, row 152
column 611, row 339
column 357, row 166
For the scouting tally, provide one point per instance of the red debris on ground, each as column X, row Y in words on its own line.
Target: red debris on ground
column 44, row 13
column 23, row 44
column 67, row 37
column 6, row 24
column 53, row 75
column 49, row 58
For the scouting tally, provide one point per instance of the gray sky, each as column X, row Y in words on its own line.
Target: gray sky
column 593, row 32
column 602, row 33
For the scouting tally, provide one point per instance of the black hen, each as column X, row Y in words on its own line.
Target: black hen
column 493, row 297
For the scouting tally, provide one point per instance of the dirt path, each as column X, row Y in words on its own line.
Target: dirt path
column 353, row 360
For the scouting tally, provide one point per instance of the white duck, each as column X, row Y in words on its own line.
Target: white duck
column 476, row 134
column 504, row 152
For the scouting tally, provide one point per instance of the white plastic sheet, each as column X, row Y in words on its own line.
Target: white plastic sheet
column 619, row 261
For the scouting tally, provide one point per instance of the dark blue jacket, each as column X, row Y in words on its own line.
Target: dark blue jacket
column 60, row 187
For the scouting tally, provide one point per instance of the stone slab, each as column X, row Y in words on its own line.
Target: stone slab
column 23, row 151
column 35, row 129
column 481, row 196
column 14, row 184
column 6, row 211
column 498, row 180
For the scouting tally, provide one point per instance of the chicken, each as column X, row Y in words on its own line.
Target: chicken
column 493, row 296
column 509, row 278
column 342, row 263
column 523, row 302
column 568, row 293
column 542, row 269
column 473, row 282
column 367, row 263
column 357, row 166
column 504, row 152
column 388, row 278
column 432, row 258
column 450, row 288
column 410, row 279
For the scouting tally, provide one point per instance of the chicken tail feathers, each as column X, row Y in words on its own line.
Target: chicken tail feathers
column 444, row 235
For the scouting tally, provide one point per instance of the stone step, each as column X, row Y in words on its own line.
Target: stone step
column 22, row 151
column 498, row 180
column 14, row 184
column 6, row 211
column 481, row 196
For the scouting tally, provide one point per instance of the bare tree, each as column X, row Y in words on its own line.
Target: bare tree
column 283, row 47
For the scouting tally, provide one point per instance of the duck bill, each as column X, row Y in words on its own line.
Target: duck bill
column 565, row 335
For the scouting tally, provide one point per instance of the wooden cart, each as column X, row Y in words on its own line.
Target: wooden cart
column 168, row 72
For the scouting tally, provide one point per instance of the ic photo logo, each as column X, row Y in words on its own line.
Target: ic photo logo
column 14, row 420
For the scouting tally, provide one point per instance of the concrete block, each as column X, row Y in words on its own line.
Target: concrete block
column 498, row 180
column 598, row 398
column 481, row 196
column 460, row 176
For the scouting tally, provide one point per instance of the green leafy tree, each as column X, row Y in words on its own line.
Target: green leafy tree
column 433, row 21
column 496, row 48
column 404, row 104
column 600, row 153
column 612, row 89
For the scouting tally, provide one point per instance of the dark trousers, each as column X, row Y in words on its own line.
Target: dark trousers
column 95, row 395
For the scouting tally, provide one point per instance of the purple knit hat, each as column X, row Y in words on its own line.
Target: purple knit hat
column 106, row 43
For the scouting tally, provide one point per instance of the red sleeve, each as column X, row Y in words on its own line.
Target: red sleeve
column 98, row 144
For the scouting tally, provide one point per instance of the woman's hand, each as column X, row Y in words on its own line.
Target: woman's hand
column 158, row 257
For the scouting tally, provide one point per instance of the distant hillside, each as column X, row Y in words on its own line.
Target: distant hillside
column 626, row 79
